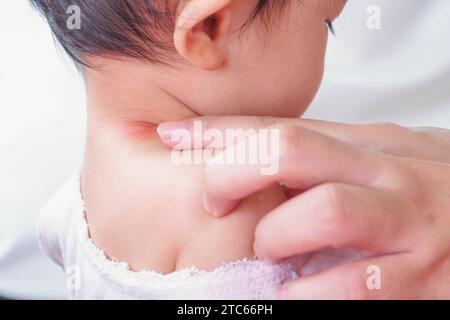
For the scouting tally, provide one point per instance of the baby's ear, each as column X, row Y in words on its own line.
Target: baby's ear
column 201, row 32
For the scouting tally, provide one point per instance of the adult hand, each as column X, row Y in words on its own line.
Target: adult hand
column 378, row 188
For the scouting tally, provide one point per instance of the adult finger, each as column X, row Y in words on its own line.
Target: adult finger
column 385, row 137
column 383, row 277
column 198, row 133
column 338, row 216
column 299, row 158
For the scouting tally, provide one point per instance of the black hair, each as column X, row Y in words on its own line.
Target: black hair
column 126, row 28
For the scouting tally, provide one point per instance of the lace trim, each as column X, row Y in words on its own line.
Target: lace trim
column 120, row 271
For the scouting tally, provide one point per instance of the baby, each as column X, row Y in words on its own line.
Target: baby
column 150, row 61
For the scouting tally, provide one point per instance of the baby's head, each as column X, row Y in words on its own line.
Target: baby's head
column 219, row 57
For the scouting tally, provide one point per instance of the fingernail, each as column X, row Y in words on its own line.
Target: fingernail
column 218, row 208
column 166, row 129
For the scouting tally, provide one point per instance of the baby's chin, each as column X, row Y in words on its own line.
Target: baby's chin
column 285, row 111
column 279, row 107
column 273, row 114
column 288, row 106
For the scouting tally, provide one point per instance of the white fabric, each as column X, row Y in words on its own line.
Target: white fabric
column 400, row 73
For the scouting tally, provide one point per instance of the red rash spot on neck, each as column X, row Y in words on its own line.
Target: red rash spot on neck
column 139, row 129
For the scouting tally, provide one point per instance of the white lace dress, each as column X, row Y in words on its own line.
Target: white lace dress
column 64, row 236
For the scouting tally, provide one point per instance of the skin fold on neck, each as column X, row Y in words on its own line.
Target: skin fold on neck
column 129, row 98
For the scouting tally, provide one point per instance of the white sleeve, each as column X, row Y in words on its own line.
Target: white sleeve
column 54, row 221
column 48, row 236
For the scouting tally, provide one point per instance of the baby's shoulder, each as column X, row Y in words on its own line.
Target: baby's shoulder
column 144, row 206
column 139, row 200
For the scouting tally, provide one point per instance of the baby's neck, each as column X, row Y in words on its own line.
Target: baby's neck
column 129, row 98
column 142, row 207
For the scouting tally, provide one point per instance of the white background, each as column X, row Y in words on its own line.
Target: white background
column 41, row 138
column 400, row 73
